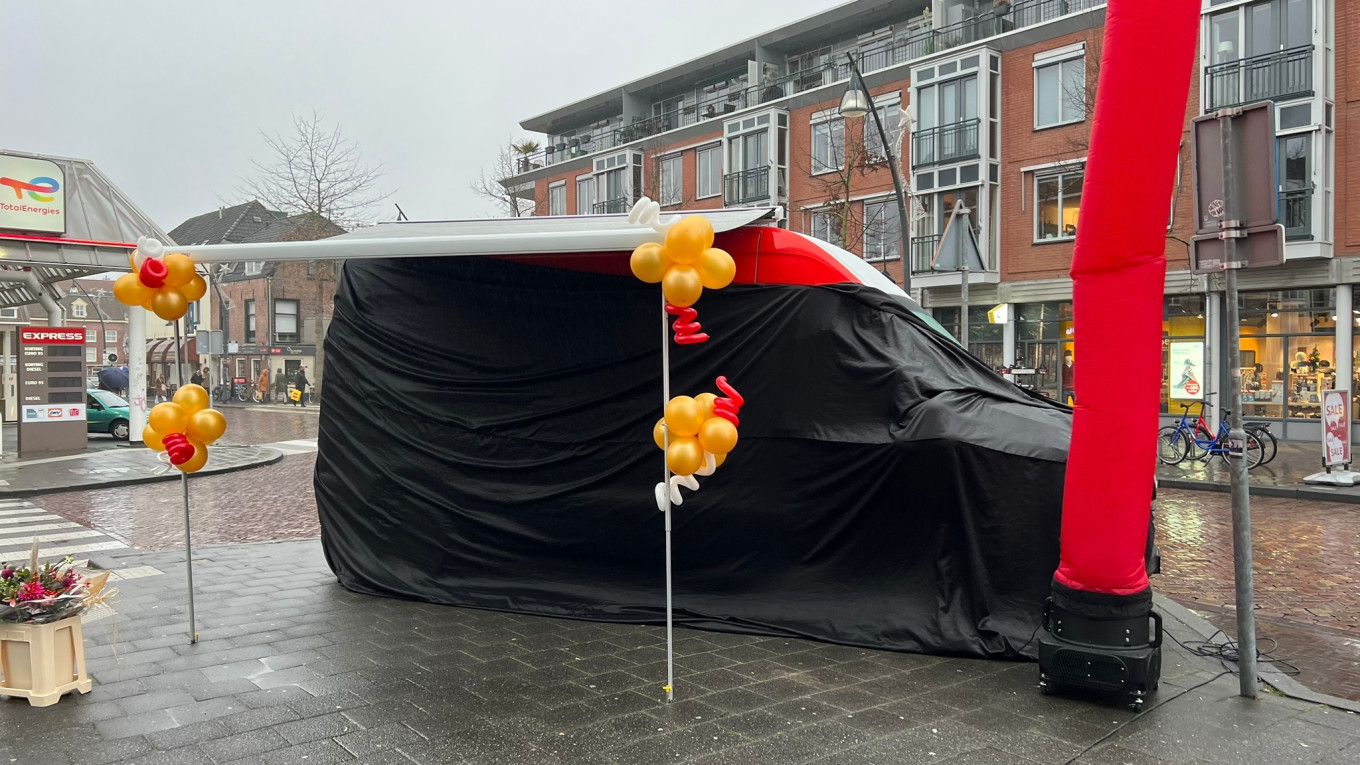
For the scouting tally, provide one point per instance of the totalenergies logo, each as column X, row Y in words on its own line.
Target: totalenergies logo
column 41, row 189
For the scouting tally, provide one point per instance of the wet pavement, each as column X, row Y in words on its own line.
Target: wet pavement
column 1281, row 477
column 291, row 668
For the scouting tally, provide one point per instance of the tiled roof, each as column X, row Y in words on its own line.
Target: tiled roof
column 226, row 225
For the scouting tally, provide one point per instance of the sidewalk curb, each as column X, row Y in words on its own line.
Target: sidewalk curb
column 1280, row 681
column 274, row 456
column 1302, row 492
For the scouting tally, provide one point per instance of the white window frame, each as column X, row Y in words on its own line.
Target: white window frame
column 557, row 198
column 1070, row 55
column 91, row 336
column 670, row 191
column 78, row 310
column 890, row 212
column 91, row 355
column 585, row 182
column 825, row 122
column 254, row 267
column 275, row 331
column 110, row 337
column 717, row 180
column 892, row 127
column 824, row 214
column 1059, row 173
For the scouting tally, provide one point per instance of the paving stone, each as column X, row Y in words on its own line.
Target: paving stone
column 136, row 725
column 314, row 728
column 263, row 717
column 382, row 738
column 184, row 735
column 311, row 753
column 242, row 745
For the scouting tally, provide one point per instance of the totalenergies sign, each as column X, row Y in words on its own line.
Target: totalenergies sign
column 32, row 195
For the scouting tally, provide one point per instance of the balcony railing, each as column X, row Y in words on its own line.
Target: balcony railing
column 1296, row 213
column 946, row 143
column 747, row 186
column 831, row 69
column 923, row 253
column 1273, row 76
column 611, row 206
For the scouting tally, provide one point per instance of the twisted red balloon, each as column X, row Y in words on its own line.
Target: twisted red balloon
column 728, row 406
column 178, row 447
column 153, row 273
column 686, row 328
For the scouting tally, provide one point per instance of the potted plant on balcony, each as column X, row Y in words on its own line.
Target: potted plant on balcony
column 42, row 648
column 524, row 149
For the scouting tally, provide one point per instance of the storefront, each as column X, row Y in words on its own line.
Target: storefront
column 1044, row 342
column 985, row 339
column 1185, row 371
column 247, row 361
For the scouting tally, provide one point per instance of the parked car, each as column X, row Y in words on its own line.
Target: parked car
column 106, row 412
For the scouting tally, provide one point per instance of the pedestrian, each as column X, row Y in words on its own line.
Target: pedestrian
column 262, row 384
column 1069, row 375
column 196, row 378
column 280, row 385
column 160, row 389
column 300, row 383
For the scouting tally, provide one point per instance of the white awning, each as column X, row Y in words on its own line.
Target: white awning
column 497, row 236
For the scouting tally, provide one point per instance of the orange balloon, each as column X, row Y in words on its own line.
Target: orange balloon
column 196, row 462
column 180, row 268
column 167, row 418
column 717, row 436
column 150, row 303
column 192, row 398
column 206, row 425
column 658, row 434
column 195, row 289
column 687, row 239
column 152, row 439
column 682, row 285
column 684, row 456
column 718, row 460
column 129, row 290
column 649, row 262
column 705, row 402
column 169, row 303
column 716, row 268
column 684, row 416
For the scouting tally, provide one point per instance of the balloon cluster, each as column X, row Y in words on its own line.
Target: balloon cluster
column 183, row 427
column 686, row 263
column 697, row 434
column 163, row 285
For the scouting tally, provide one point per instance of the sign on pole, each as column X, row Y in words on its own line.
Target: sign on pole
column 1187, row 370
column 1336, row 427
column 1252, row 197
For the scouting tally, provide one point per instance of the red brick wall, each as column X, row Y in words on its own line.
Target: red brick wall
column 291, row 282
column 1346, row 181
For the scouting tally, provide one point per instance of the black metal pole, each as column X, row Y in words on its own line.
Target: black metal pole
column 892, row 167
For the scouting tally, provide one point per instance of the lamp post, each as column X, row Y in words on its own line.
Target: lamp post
column 857, row 103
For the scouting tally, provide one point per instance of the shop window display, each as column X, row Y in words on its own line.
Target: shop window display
column 1044, row 341
column 984, row 338
column 1288, row 352
column 1182, row 322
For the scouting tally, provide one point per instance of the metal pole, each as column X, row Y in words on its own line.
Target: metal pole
column 666, row 502
column 897, row 181
column 963, row 311
column 184, row 482
column 1241, row 498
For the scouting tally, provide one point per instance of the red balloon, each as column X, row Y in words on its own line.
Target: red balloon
column 178, row 447
column 687, row 330
column 153, row 273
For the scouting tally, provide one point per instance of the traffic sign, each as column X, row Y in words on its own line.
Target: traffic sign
column 1252, row 201
column 1262, row 247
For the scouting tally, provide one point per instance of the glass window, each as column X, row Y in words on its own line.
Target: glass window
column 286, row 320
column 585, row 196
column 1182, row 322
column 557, row 200
column 891, row 116
column 670, row 181
column 710, row 171
column 110, row 336
column 250, row 321
column 827, row 226
column 882, row 231
column 1060, row 93
column 78, row 310
column 1058, row 203
column 1223, row 36
column 108, row 398
column 90, row 353
column 91, row 336
column 828, row 146
column 984, row 338
column 1288, row 351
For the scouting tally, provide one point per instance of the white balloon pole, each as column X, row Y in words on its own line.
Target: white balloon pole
column 666, row 509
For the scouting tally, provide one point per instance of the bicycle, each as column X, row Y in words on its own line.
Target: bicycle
column 1258, row 428
column 1176, row 442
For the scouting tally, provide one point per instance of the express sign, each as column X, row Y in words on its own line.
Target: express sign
column 32, row 195
column 41, row 336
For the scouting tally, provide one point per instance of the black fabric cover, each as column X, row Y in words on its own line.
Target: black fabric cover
column 486, row 441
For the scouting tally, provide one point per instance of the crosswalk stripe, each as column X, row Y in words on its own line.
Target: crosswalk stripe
column 25, row 511
column 16, row 503
column 41, row 516
column 57, row 552
column 301, row 442
column 62, row 537
column 10, row 531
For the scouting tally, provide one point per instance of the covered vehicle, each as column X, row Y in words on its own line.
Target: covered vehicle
column 106, row 412
column 486, row 441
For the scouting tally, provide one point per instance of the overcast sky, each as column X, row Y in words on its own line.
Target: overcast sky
column 168, row 98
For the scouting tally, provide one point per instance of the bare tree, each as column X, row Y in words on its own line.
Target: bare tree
column 494, row 182
column 319, row 178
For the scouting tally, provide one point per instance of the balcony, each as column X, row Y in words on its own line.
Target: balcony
column 611, row 206
column 946, row 143
column 923, row 253
column 1296, row 214
column 1270, row 77
column 747, row 186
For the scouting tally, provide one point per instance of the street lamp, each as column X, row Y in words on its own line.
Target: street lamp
column 857, row 103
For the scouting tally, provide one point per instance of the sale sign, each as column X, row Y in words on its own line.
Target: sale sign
column 1336, row 427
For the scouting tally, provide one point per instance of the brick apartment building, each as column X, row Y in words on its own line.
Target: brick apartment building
column 989, row 103
column 89, row 305
column 268, row 311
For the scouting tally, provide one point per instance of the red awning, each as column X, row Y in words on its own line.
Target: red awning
column 162, row 350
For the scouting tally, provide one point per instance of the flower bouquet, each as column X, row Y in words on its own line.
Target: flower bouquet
column 47, row 593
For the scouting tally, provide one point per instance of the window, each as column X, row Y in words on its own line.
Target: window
column 557, row 199
column 891, row 115
column 250, row 321
column 90, row 336
column 9, row 313
column 256, row 266
column 710, row 171
column 670, row 180
column 828, row 145
column 827, row 227
column 585, row 195
column 947, row 122
column 882, row 231
column 90, row 356
column 1293, row 154
column 110, row 336
column 286, row 321
column 1058, row 199
column 1060, row 92
column 78, row 310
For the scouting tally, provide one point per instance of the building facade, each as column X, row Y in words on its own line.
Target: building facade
column 90, row 306
column 988, row 107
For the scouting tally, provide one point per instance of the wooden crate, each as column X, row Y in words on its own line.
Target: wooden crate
column 41, row 662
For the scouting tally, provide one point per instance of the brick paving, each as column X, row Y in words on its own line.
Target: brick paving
column 294, row 669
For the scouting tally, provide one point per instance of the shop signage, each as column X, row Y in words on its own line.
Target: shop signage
column 54, row 336
column 1336, row 427
column 1186, row 362
column 51, row 384
column 32, row 195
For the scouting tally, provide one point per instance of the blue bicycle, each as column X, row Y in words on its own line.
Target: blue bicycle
column 1177, row 442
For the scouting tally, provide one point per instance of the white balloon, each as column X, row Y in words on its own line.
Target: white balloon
column 710, row 466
